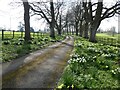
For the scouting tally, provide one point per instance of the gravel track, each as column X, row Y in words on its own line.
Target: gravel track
column 40, row 69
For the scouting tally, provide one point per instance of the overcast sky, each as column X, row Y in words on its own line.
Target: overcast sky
column 10, row 16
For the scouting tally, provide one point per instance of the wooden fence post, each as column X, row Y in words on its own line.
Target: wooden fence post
column 2, row 34
column 38, row 34
column 105, row 40
column 41, row 34
column 108, row 40
column 112, row 40
column 33, row 34
column 21, row 34
column 13, row 33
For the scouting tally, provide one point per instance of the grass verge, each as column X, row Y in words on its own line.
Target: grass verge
column 14, row 48
column 92, row 65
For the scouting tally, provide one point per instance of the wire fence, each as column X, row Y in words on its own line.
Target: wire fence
column 11, row 34
column 109, row 41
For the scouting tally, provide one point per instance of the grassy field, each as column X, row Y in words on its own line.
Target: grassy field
column 105, row 35
column 92, row 65
column 108, row 39
column 9, row 34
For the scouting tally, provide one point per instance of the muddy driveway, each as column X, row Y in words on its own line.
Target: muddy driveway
column 41, row 69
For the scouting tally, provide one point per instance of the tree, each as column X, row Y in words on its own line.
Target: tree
column 100, row 30
column 61, row 23
column 26, row 19
column 95, row 20
column 52, row 23
column 69, row 20
column 94, row 17
column 31, row 29
column 59, row 17
column 112, row 31
column 66, row 22
column 86, row 19
column 77, row 15
column 21, row 27
column 51, row 14
column 81, row 24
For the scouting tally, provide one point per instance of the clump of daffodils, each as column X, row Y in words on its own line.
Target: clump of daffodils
column 115, row 71
column 109, row 55
column 79, row 45
column 60, row 86
column 77, row 60
column 91, row 49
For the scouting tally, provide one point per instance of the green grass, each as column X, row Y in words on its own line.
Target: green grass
column 102, row 35
column 108, row 39
column 105, row 35
column 9, row 34
column 92, row 65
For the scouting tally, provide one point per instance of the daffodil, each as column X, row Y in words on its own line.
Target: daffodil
column 72, row 86
column 59, row 87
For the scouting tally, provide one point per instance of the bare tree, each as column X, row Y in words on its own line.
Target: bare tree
column 86, row 18
column 70, row 20
column 50, row 12
column 94, row 17
column 77, row 14
column 26, row 25
column 52, row 23
column 26, row 19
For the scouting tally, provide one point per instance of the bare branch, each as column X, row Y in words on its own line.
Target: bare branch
column 39, row 12
column 109, row 12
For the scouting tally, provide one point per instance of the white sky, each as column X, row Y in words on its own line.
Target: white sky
column 10, row 16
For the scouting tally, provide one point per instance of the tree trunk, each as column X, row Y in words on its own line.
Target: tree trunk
column 96, row 22
column 76, row 26
column 67, row 29
column 93, row 30
column 86, row 31
column 73, row 30
column 52, row 23
column 92, row 35
column 81, row 31
column 52, row 32
column 59, row 31
column 27, row 20
column 59, row 28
